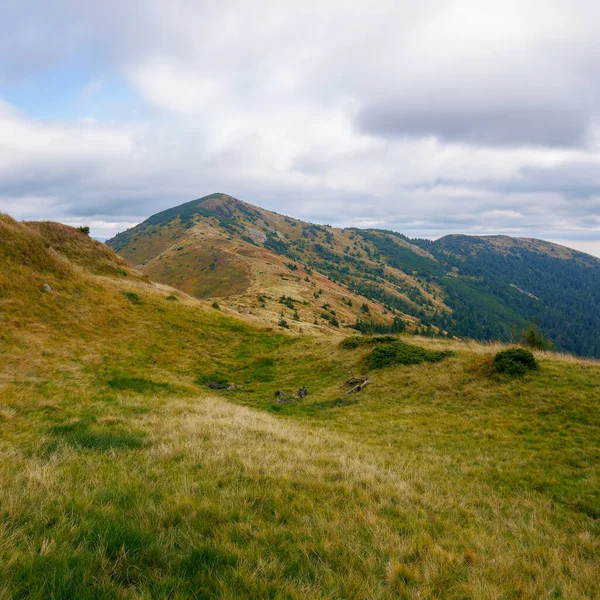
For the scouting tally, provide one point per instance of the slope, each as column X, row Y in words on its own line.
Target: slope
column 504, row 282
column 250, row 258
column 123, row 476
column 487, row 288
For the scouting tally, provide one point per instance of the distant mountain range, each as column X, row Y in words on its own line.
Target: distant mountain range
column 301, row 275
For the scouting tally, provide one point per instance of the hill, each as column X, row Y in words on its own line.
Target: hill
column 486, row 288
column 260, row 263
column 123, row 475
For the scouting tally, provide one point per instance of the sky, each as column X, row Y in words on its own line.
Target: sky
column 428, row 117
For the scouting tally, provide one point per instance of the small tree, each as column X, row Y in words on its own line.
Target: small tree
column 398, row 326
column 532, row 337
column 84, row 229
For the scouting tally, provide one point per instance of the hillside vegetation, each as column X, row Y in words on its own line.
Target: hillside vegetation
column 486, row 288
column 122, row 475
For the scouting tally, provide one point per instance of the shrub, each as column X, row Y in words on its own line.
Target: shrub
column 288, row 301
column 401, row 353
column 216, row 305
column 515, row 361
column 356, row 341
column 532, row 337
column 172, row 298
column 132, row 297
column 84, row 229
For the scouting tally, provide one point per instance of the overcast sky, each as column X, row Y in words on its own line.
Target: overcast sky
column 427, row 117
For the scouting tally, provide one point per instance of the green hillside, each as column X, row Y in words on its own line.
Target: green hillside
column 123, row 475
column 485, row 288
column 505, row 281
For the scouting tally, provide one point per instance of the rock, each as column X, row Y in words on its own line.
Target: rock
column 215, row 385
column 46, row 288
column 256, row 235
column 302, row 392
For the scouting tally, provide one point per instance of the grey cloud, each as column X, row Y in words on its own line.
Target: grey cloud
column 575, row 179
column 483, row 125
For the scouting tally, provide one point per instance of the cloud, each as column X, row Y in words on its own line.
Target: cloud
column 511, row 123
column 427, row 118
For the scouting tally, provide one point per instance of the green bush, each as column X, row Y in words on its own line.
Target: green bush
column 132, row 297
column 356, row 341
column 401, row 353
column 515, row 361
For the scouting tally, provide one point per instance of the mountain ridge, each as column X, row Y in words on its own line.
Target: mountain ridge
column 222, row 248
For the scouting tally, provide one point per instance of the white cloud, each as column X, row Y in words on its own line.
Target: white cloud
column 426, row 117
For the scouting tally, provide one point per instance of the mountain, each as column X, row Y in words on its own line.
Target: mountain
column 124, row 474
column 502, row 282
column 260, row 263
column 486, row 288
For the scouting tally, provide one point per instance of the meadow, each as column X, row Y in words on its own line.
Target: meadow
column 122, row 475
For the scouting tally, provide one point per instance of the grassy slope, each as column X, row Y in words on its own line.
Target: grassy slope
column 123, row 476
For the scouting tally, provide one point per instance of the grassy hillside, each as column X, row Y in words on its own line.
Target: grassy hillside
column 122, row 475
column 486, row 288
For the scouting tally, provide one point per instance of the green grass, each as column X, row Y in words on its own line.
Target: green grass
column 123, row 476
column 81, row 434
column 138, row 384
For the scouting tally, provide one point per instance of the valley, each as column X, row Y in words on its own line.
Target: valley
column 123, row 475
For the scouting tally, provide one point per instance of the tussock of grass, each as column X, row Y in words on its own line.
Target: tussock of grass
column 401, row 353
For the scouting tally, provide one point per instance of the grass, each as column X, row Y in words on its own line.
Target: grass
column 123, row 476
